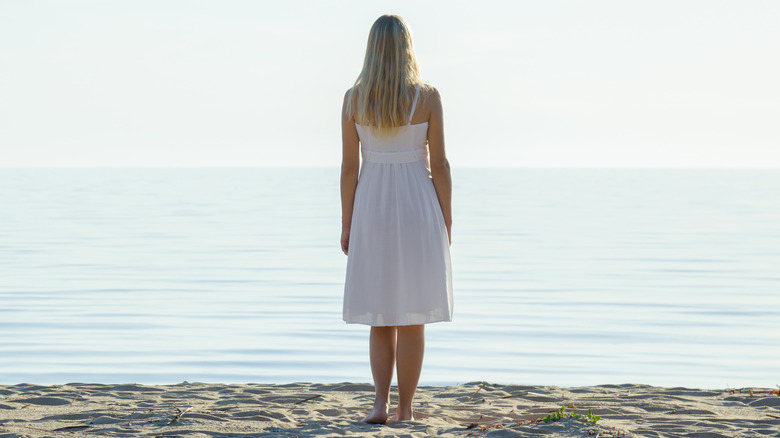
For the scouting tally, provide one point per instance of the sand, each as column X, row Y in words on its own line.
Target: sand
column 311, row 409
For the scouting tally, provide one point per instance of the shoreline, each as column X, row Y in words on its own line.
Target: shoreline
column 335, row 409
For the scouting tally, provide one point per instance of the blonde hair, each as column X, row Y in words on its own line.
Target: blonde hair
column 383, row 92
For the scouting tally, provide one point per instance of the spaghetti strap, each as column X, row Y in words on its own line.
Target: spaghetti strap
column 414, row 104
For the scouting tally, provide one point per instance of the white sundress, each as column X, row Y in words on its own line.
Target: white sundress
column 398, row 264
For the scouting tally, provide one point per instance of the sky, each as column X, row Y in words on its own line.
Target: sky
column 260, row 83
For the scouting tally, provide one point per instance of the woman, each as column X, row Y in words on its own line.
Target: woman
column 396, row 217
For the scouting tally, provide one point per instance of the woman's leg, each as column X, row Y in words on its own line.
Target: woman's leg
column 382, row 344
column 409, row 356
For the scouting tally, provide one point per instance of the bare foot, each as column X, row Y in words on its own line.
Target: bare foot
column 405, row 415
column 377, row 416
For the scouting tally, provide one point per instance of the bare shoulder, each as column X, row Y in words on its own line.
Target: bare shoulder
column 348, row 93
column 348, row 96
column 428, row 105
column 430, row 96
column 428, row 91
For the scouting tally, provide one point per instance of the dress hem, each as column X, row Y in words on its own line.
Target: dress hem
column 365, row 322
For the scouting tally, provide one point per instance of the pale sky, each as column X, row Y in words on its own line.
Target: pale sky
column 260, row 83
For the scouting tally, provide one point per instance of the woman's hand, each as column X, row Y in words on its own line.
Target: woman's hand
column 345, row 239
column 449, row 233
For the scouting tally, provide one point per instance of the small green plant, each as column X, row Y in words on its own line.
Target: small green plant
column 561, row 413
column 555, row 416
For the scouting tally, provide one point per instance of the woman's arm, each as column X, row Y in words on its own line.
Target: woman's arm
column 440, row 167
column 350, row 164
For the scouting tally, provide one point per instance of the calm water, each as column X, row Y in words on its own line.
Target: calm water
column 562, row 276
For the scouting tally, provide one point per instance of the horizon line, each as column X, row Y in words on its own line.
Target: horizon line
column 332, row 166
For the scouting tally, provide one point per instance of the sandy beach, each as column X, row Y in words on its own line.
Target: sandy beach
column 311, row 409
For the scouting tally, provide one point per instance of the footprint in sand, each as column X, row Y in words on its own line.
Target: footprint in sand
column 46, row 401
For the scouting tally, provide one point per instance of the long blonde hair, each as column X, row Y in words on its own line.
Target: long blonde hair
column 383, row 92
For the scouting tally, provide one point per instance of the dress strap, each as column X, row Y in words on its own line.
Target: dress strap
column 414, row 104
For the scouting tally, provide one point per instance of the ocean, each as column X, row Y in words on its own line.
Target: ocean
column 562, row 276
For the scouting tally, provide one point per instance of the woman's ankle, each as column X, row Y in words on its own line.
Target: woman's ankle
column 404, row 414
